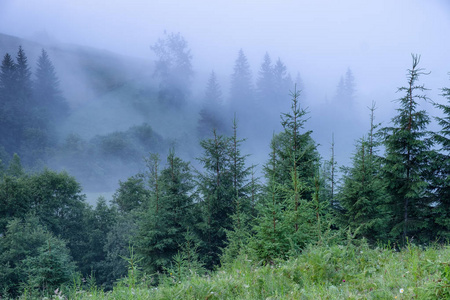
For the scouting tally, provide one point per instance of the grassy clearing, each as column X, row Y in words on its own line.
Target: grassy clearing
column 335, row 272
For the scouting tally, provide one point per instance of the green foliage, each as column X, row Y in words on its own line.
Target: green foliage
column 288, row 218
column 363, row 196
column 131, row 194
column 406, row 163
column 327, row 272
column 32, row 257
column 441, row 172
column 171, row 210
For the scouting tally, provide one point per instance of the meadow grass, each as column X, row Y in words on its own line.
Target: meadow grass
column 325, row 272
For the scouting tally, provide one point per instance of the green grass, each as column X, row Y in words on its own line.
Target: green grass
column 335, row 272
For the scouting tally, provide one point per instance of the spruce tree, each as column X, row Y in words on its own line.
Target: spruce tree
column 217, row 193
column 241, row 89
column 295, row 150
column 288, row 216
column 271, row 238
column 282, row 83
column 265, row 82
column 47, row 93
column 10, row 127
column 239, row 236
column 406, row 163
column 441, row 172
column 212, row 113
column 171, row 212
column 363, row 197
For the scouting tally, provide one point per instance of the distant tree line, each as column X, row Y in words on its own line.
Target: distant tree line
column 30, row 108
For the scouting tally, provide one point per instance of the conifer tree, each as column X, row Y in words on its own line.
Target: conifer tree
column 216, row 188
column 441, row 172
column 163, row 226
column 10, row 127
column 271, row 238
column 211, row 113
column 239, row 236
column 288, row 205
column 295, row 148
column 241, row 90
column 407, row 162
column 47, row 92
column 282, row 83
column 363, row 196
column 265, row 82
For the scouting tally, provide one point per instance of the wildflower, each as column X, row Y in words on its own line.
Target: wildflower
column 246, row 286
column 401, row 291
column 343, row 280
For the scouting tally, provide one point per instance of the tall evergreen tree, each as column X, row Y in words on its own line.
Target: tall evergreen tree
column 10, row 127
column 295, row 148
column 282, row 83
column 212, row 112
column 217, row 192
column 241, row 90
column 363, row 195
column 441, row 172
column 47, row 93
column 164, row 224
column 239, row 236
column 265, row 82
column 288, row 215
column 407, row 161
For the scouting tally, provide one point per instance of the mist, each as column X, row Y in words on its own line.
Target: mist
column 102, row 54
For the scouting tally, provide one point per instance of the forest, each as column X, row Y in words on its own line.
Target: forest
column 173, row 219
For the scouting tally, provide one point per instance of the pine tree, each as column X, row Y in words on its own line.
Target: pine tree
column 363, row 195
column 282, row 83
column 288, row 216
column 350, row 86
column 163, row 226
column 441, row 172
column 241, row 90
column 10, row 127
column 239, row 236
column 47, row 93
column 265, row 82
column 271, row 238
column 295, row 148
column 217, row 192
column 211, row 113
column 406, row 161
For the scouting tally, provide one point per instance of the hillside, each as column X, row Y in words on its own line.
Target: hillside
column 108, row 94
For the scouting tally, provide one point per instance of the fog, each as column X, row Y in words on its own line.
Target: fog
column 320, row 40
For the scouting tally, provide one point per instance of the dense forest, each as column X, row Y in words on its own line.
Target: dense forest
column 180, row 217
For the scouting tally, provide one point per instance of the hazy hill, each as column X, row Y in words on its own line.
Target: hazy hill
column 109, row 95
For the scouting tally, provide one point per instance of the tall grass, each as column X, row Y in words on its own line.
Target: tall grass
column 320, row 272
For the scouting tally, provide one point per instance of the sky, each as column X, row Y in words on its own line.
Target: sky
column 325, row 35
column 320, row 39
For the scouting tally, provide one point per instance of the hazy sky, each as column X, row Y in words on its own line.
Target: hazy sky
column 319, row 38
